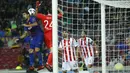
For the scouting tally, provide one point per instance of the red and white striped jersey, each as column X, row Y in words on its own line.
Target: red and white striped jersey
column 86, row 46
column 69, row 49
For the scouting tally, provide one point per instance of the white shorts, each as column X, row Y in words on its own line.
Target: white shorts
column 67, row 66
column 89, row 60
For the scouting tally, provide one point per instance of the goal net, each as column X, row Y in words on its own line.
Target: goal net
column 88, row 16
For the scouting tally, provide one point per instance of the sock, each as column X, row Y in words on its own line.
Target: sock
column 39, row 58
column 31, row 59
column 90, row 70
column 49, row 61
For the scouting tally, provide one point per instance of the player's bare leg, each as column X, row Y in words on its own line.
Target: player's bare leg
column 37, row 50
column 64, row 72
column 76, row 71
column 49, row 61
column 90, row 65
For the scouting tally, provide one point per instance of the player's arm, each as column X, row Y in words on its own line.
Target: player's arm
column 60, row 46
column 39, row 15
column 38, row 4
column 60, row 50
column 96, row 49
column 33, row 23
column 36, row 10
column 60, row 13
column 30, row 25
column 76, row 45
column 16, row 40
column 79, row 53
column 24, row 35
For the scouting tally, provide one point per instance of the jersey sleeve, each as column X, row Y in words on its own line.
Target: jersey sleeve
column 90, row 41
column 40, row 16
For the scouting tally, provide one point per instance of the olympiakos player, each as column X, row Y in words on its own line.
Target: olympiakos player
column 87, row 47
column 68, row 47
column 47, row 28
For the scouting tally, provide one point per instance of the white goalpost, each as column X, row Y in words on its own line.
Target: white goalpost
column 106, row 22
column 103, row 38
column 117, row 4
column 55, row 33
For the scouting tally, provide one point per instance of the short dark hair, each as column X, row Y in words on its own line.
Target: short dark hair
column 65, row 29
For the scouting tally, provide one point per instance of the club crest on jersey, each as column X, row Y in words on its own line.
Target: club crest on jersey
column 33, row 19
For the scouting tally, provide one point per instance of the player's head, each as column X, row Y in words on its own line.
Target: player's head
column 25, row 14
column 127, row 40
column 83, row 34
column 65, row 34
column 28, row 13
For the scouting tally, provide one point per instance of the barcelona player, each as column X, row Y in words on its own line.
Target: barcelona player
column 35, row 32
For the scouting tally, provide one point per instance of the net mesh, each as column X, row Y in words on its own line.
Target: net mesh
column 86, row 15
column 117, row 37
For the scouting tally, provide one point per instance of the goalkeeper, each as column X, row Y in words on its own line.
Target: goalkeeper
column 35, row 32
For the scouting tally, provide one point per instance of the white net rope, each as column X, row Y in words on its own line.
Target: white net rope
column 81, row 15
column 117, row 37
column 85, row 15
column 115, row 3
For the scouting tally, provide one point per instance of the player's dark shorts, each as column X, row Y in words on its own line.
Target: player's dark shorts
column 36, row 41
column 27, row 39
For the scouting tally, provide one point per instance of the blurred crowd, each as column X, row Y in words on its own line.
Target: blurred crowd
column 11, row 15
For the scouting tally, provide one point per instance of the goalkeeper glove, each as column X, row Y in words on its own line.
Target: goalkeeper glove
column 37, row 4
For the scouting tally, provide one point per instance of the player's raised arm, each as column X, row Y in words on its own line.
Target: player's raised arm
column 39, row 15
column 60, row 13
column 38, row 4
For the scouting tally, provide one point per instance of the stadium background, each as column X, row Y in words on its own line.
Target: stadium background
column 11, row 26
